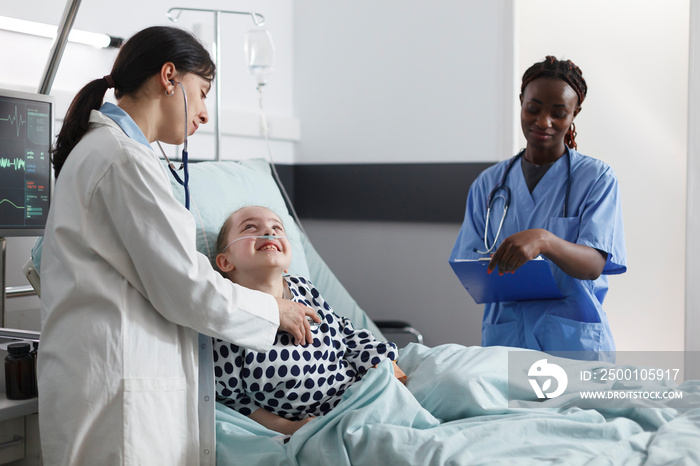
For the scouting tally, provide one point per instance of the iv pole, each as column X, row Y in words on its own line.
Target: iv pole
column 59, row 45
column 258, row 19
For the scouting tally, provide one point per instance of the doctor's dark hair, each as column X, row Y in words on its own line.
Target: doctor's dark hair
column 566, row 71
column 141, row 57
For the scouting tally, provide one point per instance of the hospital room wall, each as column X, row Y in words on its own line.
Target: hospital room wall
column 23, row 58
column 395, row 98
column 692, row 292
column 635, row 59
column 240, row 112
column 391, row 82
column 394, row 82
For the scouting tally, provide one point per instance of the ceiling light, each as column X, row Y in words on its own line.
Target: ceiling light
column 47, row 30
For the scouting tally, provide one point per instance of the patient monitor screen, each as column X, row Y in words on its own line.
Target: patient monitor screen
column 26, row 127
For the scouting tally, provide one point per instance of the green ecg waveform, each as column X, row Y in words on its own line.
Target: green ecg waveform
column 19, row 164
column 15, row 120
column 12, row 203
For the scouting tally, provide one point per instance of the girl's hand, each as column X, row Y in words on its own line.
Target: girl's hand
column 278, row 423
column 299, row 424
column 399, row 374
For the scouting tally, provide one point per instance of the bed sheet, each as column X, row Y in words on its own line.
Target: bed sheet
column 454, row 410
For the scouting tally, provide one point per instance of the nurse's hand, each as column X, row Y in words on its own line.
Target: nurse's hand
column 293, row 320
column 576, row 260
column 518, row 249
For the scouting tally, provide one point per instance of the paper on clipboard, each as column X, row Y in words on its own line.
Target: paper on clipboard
column 533, row 280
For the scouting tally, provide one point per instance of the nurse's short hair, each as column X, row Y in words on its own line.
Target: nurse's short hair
column 568, row 72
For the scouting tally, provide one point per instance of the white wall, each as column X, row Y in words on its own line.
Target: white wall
column 367, row 90
column 634, row 56
column 397, row 81
column 23, row 58
column 692, row 292
column 402, row 82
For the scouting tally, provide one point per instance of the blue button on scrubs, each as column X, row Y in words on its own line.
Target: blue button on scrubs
column 577, row 322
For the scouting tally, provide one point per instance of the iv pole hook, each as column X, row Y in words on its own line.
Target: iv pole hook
column 257, row 18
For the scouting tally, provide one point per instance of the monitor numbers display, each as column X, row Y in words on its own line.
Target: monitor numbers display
column 25, row 165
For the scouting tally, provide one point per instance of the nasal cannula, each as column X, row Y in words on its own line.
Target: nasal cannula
column 268, row 237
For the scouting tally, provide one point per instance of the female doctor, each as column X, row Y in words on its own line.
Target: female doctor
column 564, row 206
column 124, row 291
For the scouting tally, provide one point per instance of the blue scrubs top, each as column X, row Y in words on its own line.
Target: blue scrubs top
column 577, row 322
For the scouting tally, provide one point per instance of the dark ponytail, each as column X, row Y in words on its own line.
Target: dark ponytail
column 140, row 58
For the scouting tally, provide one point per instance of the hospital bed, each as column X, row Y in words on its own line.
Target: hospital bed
column 233, row 185
column 460, row 405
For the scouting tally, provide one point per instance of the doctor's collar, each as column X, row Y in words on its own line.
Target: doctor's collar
column 125, row 122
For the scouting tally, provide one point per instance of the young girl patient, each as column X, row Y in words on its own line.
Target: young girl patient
column 286, row 387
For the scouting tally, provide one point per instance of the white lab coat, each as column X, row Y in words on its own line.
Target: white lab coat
column 124, row 295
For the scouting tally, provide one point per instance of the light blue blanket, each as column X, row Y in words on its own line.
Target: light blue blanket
column 461, row 406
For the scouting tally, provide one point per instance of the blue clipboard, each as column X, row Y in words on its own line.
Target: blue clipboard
column 533, row 280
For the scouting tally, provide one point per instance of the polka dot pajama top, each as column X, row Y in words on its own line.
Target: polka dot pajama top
column 295, row 381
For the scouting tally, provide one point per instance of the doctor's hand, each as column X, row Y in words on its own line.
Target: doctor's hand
column 517, row 249
column 293, row 320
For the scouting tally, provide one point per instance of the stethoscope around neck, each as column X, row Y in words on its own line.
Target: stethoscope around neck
column 502, row 191
column 184, row 181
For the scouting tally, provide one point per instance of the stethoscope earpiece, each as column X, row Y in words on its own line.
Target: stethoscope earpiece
column 184, row 181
